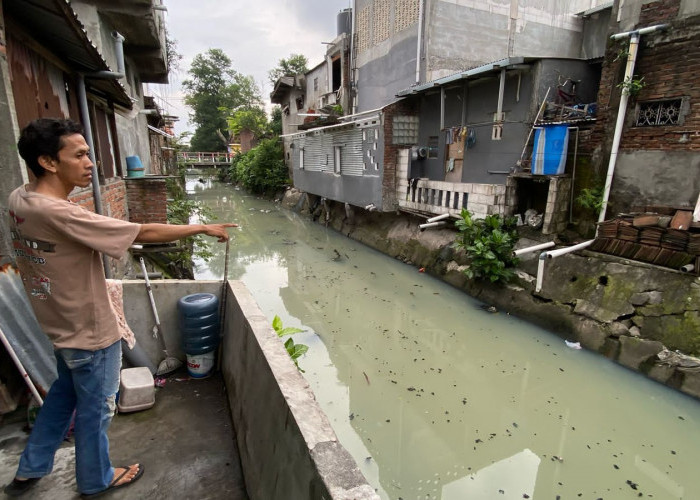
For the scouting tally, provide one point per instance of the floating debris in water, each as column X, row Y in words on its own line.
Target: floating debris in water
column 573, row 345
column 488, row 308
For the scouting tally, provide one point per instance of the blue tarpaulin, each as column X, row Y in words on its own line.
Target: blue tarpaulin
column 549, row 151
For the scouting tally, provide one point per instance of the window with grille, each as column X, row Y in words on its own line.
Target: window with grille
column 657, row 113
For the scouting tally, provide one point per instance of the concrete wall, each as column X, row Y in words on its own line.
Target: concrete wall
column 286, row 444
column 457, row 35
column 656, row 178
column 386, row 71
column 595, row 30
column 313, row 95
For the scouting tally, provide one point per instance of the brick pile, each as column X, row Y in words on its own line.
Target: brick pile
column 664, row 237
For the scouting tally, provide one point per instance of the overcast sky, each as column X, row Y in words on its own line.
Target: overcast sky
column 255, row 35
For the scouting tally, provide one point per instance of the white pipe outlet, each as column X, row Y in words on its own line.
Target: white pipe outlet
column 439, row 217
column 555, row 253
column 533, row 248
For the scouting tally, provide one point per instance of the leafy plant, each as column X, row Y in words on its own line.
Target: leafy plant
column 294, row 350
column 489, row 243
column 182, row 210
column 591, row 199
column 631, row 85
column 261, row 170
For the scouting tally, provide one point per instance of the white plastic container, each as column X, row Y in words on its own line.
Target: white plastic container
column 199, row 366
column 136, row 390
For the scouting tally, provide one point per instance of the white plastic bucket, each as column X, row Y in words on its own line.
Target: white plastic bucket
column 199, row 366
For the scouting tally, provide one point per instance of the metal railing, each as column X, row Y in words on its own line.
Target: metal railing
column 199, row 157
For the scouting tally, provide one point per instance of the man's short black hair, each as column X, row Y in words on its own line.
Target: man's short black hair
column 43, row 137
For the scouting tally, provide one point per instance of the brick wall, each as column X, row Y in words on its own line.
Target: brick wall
column 113, row 199
column 147, row 199
column 670, row 64
column 391, row 151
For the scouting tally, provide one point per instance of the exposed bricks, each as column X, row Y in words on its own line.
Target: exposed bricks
column 391, row 151
column 669, row 62
column 147, row 200
column 113, row 195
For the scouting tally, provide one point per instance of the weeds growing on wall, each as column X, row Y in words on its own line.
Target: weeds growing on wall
column 294, row 350
column 489, row 244
column 181, row 210
column 591, row 199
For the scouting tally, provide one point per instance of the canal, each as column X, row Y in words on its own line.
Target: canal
column 438, row 398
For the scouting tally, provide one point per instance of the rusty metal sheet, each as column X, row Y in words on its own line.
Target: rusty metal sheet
column 20, row 326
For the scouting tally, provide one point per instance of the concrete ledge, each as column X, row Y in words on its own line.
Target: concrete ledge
column 287, row 446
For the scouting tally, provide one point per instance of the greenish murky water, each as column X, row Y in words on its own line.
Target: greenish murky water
column 437, row 398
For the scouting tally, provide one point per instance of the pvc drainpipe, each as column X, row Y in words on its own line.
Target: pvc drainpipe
column 629, row 73
column 421, row 13
column 533, row 248
column 573, row 177
column 501, row 92
column 439, row 217
column 85, row 116
column 431, row 224
column 353, row 98
column 96, row 193
column 555, row 253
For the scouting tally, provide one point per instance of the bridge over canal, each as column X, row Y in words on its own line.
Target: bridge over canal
column 200, row 159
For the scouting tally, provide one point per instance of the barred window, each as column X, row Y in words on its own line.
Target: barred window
column 657, row 113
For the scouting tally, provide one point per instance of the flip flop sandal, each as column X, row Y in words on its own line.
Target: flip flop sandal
column 17, row 487
column 114, row 484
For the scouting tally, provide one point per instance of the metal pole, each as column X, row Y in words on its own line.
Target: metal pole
column 96, row 193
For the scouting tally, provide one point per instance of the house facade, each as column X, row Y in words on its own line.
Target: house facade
column 657, row 162
column 426, row 138
column 83, row 60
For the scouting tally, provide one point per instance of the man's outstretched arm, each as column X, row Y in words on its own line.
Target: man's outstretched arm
column 163, row 233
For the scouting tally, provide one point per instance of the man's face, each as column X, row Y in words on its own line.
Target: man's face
column 74, row 166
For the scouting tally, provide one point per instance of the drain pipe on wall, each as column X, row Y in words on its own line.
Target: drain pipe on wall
column 421, row 13
column 629, row 73
column 555, row 253
column 87, row 124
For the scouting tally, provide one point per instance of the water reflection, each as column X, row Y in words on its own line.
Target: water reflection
column 437, row 398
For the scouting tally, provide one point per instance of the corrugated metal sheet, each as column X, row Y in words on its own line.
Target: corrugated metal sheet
column 19, row 325
column 351, row 160
column 316, row 153
column 56, row 26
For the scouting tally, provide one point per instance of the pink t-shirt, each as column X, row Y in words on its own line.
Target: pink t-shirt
column 57, row 246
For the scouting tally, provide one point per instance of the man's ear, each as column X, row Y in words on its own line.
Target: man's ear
column 47, row 163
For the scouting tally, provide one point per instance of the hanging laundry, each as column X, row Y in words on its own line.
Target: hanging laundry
column 448, row 136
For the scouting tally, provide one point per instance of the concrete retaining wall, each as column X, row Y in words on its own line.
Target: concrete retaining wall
column 287, row 447
column 286, row 444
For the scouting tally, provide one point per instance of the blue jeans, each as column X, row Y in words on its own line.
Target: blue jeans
column 87, row 382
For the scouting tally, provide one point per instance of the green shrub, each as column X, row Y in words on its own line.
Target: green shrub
column 489, row 244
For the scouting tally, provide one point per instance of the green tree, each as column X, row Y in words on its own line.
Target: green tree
column 295, row 64
column 253, row 119
column 214, row 91
column 276, row 121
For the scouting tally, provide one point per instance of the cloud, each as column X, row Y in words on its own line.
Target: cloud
column 255, row 35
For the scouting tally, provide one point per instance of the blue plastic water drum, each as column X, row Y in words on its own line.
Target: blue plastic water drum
column 198, row 318
column 550, row 150
column 134, row 168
